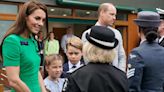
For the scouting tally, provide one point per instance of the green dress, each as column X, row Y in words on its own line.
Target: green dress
column 18, row 51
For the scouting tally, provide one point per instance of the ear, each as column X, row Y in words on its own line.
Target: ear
column 81, row 53
column 102, row 13
column 66, row 53
column 26, row 18
column 138, row 33
column 47, row 69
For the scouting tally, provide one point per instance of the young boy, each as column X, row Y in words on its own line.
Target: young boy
column 74, row 54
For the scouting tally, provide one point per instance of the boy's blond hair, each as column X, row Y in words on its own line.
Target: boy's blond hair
column 75, row 42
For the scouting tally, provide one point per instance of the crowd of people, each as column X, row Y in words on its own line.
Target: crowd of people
column 94, row 63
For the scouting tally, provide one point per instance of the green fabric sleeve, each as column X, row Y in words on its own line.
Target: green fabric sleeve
column 11, row 51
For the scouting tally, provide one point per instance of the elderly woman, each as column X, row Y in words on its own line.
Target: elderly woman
column 98, row 75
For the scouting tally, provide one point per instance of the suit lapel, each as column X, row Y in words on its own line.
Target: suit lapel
column 161, row 42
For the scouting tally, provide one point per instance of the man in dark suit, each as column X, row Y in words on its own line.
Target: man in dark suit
column 161, row 27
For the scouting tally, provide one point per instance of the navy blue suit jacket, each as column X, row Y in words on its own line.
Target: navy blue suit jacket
column 66, row 68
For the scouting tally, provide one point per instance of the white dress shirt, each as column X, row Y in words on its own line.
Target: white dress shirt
column 70, row 65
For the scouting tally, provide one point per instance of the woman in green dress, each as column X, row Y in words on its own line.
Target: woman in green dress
column 19, row 49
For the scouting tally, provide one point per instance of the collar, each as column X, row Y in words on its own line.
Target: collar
column 98, row 24
column 160, row 39
column 142, row 41
column 55, row 81
column 70, row 64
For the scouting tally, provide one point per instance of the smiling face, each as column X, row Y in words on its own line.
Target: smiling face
column 35, row 21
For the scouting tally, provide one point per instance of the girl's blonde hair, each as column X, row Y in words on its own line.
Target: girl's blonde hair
column 52, row 58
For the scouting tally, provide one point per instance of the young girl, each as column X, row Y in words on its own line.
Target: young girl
column 54, row 67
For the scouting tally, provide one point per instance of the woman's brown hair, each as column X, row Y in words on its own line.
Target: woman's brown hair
column 20, row 25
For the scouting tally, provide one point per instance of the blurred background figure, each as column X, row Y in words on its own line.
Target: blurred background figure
column 40, row 41
column 51, row 45
column 145, row 63
column 65, row 37
column 54, row 67
column 69, row 34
